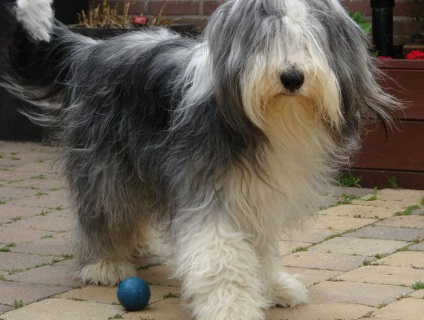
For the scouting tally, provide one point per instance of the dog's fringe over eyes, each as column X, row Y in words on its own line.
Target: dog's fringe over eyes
column 217, row 143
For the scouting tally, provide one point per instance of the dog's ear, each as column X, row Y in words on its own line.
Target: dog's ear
column 230, row 44
column 353, row 65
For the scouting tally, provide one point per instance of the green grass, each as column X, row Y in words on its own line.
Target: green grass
column 48, row 236
column 18, row 303
column 299, row 249
column 408, row 211
column 393, row 182
column 2, row 202
column 366, row 262
column 418, row 285
column 370, row 197
column 17, row 218
column 41, row 176
column 381, row 305
column 39, row 194
column 67, row 256
column 381, row 255
column 346, row 198
column 116, row 316
column 349, row 180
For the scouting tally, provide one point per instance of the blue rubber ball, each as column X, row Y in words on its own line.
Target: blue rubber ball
column 133, row 294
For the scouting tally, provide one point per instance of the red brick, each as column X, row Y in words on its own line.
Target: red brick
column 174, row 7
column 210, row 6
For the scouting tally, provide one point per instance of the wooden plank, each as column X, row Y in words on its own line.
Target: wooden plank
column 381, row 178
column 406, row 85
column 402, row 150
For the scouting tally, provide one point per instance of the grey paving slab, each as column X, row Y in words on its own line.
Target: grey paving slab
column 417, row 247
column 358, row 246
column 412, row 221
column 58, row 245
column 323, row 260
column 12, row 233
column 393, row 233
column 4, row 309
column 14, row 261
column 372, row 295
column 311, row 236
column 52, row 223
column 11, row 211
column 52, row 309
column 49, row 275
column 401, row 276
column 28, row 293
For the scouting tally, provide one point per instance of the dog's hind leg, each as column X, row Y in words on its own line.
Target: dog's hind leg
column 108, row 201
column 102, row 253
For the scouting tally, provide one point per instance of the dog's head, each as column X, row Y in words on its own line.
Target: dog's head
column 306, row 59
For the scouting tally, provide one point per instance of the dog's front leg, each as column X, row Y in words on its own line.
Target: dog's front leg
column 222, row 277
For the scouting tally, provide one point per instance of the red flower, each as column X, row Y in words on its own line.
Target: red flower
column 415, row 55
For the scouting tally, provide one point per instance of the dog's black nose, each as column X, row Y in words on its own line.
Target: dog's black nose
column 292, row 79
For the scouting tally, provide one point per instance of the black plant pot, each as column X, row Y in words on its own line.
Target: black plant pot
column 382, row 26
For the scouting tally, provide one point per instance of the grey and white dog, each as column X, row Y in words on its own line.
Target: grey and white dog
column 218, row 143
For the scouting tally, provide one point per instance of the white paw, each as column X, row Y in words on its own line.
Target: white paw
column 106, row 272
column 288, row 291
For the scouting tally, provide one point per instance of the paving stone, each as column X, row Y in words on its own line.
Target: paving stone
column 404, row 259
column 53, row 223
column 15, row 193
column 59, row 245
column 159, row 275
column 361, row 211
column 401, row 276
column 414, row 196
column 406, row 234
column 11, row 233
column 51, row 309
column 92, row 293
column 28, row 293
column 316, row 310
column 41, row 202
column 13, row 261
column 4, row 309
column 341, row 223
column 412, row 221
column 323, row 260
column 358, row 246
column 168, row 309
column 50, row 275
column 408, row 309
column 417, row 247
column 308, row 235
column 7, row 212
column 310, row 277
column 419, row 294
column 288, row 247
column 368, row 294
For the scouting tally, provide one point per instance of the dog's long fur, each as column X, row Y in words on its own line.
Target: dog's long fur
column 220, row 142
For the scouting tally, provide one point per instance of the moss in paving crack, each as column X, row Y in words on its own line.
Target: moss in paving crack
column 299, row 249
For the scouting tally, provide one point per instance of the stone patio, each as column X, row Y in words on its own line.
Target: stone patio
column 360, row 259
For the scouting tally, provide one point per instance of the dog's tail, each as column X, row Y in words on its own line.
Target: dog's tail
column 33, row 58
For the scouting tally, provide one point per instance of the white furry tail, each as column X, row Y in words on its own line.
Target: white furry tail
column 36, row 16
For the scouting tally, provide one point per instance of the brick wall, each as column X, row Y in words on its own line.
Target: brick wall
column 409, row 14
